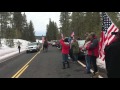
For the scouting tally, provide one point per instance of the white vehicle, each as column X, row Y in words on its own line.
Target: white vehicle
column 34, row 46
column 81, row 43
column 53, row 43
column 81, row 55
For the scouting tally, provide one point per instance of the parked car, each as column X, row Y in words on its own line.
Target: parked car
column 34, row 46
column 53, row 43
column 59, row 46
column 81, row 55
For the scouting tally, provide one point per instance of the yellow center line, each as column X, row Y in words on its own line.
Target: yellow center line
column 22, row 71
column 19, row 72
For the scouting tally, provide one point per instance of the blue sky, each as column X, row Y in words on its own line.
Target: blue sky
column 41, row 19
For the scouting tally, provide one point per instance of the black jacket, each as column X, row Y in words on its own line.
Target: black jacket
column 112, row 59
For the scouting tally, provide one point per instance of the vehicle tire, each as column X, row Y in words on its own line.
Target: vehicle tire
column 36, row 50
column 27, row 52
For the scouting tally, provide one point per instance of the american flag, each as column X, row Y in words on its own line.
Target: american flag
column 72, row 35
column 43, row 39
column 106, row 38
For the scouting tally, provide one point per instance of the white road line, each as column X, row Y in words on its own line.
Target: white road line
column 90, row 69
column 82, row 64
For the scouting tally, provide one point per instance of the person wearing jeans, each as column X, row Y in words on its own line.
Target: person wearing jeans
column 88, row 64
column 65, row 51
column 93, row 49
column 87, row 56
column 65, row 60
column 75, row 47
column 93, row 58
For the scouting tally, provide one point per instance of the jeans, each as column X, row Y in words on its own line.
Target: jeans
column 71, row 54
column 19, row 50
column 75, row 56
column 88, row 63
column 93, row 60
column 65, row 57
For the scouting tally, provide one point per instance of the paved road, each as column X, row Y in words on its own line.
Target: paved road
column 40, row 65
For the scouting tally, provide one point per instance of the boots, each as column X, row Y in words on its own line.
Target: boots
column 95, row 75
column 63, row 65
column 68, row 66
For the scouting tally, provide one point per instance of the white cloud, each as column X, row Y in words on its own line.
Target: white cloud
column 41, row 19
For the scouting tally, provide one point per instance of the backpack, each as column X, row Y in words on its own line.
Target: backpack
column 76, row 48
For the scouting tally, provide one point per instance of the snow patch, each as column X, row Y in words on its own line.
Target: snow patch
column 6, row 51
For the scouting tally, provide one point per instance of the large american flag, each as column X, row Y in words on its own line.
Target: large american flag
column 106, row 38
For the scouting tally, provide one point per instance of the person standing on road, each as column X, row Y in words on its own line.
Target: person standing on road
column 71, row 50
column 93, row 48
column 112, row 57
column 65, row 51
column 75, row 47
column 19, row 47
column 87, row 56
column 45, row 45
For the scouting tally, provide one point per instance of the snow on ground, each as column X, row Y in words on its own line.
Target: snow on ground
column 37, row 40
column 6, row 51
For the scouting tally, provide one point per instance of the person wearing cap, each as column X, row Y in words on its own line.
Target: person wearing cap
column 93, row 49
column 112, row 57
column 65, row 51
column 71, row 50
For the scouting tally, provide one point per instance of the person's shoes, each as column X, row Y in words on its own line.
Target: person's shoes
column 63, row 65
column 95, row 75
column 68, row 65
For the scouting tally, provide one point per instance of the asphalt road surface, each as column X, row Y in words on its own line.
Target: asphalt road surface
column 40, row 65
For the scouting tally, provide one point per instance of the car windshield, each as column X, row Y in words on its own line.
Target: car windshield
column 31, row 44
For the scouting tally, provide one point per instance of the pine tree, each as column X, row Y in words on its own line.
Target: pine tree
column 114, row 17
column 52, row 30
column 17, row 18
column 31, row 32
column 77, row 23
column 65, row 23
column 4, row 23
column 24, row 27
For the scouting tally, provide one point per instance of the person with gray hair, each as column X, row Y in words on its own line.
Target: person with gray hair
column 93, row 49
column 87, row 56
